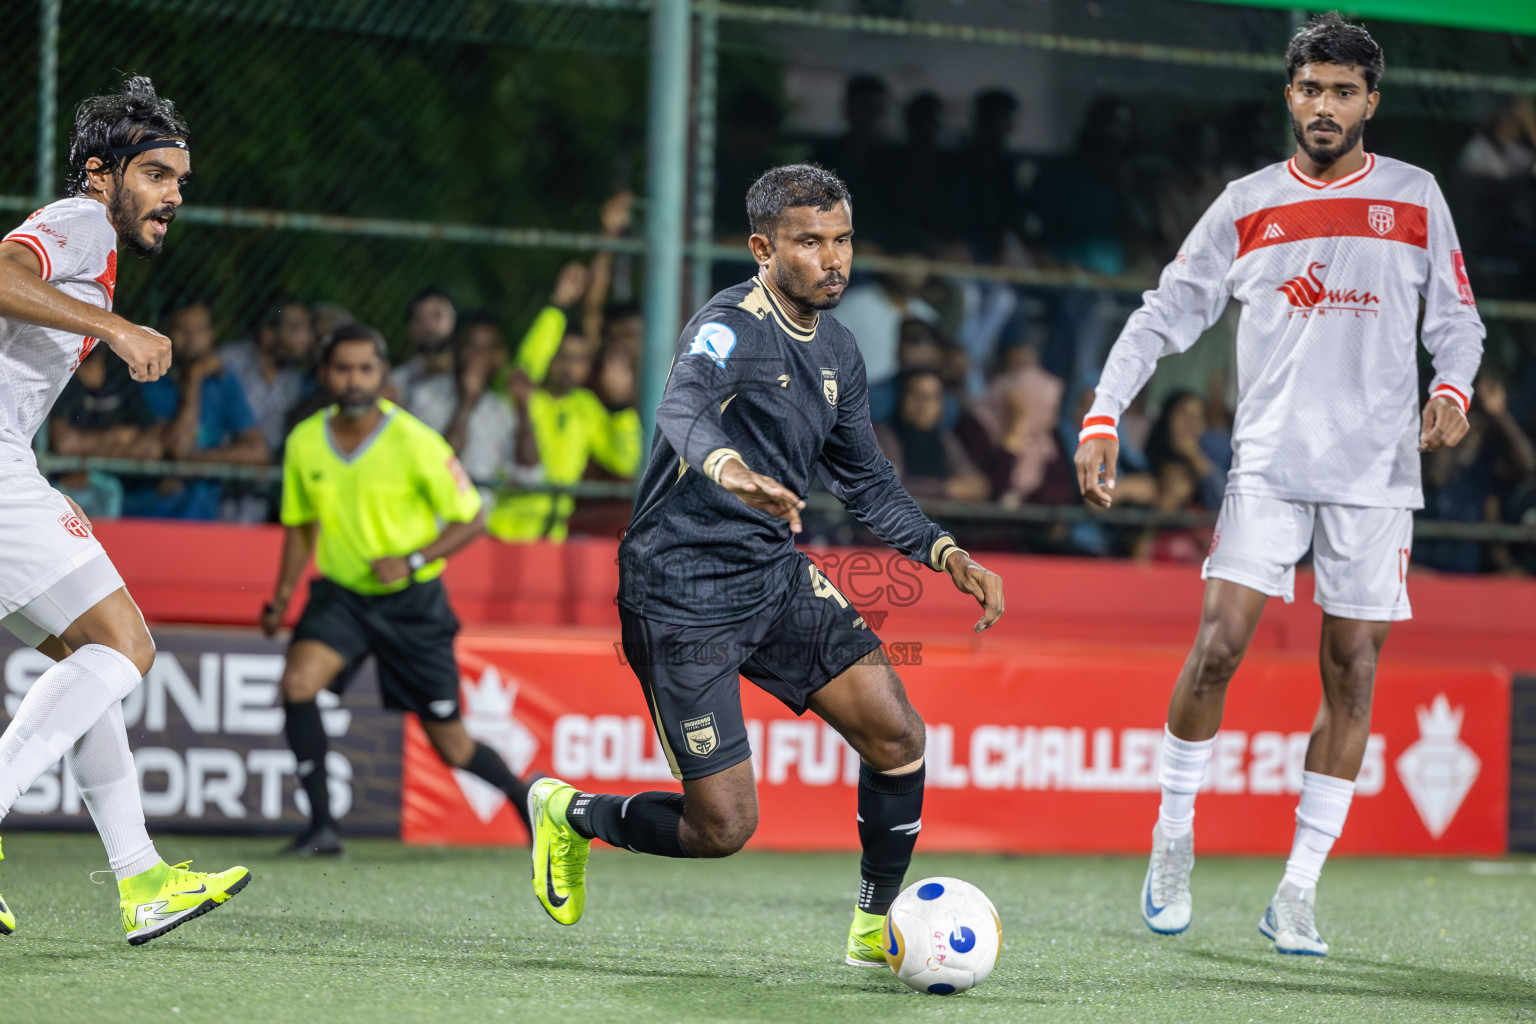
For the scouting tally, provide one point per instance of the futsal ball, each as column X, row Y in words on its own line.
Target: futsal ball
column 942, row 936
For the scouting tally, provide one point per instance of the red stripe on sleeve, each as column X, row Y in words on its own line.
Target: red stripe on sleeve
column 1461, row 399
column 31, row 242
column 1099, row 421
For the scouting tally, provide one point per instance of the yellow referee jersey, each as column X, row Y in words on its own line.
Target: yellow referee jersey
column 390, row 497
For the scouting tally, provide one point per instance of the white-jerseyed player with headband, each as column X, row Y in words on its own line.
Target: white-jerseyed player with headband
column 1330, row 254
column 58, row 589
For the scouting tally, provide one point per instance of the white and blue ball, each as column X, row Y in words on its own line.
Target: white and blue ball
column 942, row 936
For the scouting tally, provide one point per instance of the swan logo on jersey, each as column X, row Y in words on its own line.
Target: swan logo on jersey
column 1381, row 219
column 1309, row 295
column 715, row 341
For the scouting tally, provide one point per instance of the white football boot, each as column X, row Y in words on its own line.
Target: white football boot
column 1165, row 900
column 1289, row 921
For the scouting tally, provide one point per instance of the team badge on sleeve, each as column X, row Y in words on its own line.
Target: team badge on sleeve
column 715, row 341
column 1463, row 285
column 459, row 476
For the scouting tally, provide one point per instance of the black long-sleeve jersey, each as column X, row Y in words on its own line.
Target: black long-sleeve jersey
column 747, row 381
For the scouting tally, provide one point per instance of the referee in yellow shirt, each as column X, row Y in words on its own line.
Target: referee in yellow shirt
column 387, row 502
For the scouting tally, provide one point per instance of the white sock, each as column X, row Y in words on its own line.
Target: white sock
column 103, row 768
column 65, row 701
column 1181, row 772
column 1320, row 815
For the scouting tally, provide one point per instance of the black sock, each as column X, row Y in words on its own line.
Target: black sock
column 890, row 816
column 488, row 765
column 643, row 823
column 306, row 735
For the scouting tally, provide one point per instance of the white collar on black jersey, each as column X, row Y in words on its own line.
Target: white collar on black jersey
column 1319, row 183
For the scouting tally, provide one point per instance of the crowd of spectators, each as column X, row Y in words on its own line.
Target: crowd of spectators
column 556, row 409
column 977, row 386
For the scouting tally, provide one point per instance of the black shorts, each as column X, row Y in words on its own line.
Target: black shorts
column 801, row 640
column 410, row 633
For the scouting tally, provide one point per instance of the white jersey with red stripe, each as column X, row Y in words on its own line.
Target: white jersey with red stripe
column 76, row 248
column 1329, row 275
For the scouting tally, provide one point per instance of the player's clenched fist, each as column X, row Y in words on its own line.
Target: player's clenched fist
column 762, row 492
column 1444, row 425
column 146, row 351
column 1095, row 461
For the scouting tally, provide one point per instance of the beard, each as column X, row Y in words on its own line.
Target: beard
column 1324, row 156
column 356, row 404
column 807, row 295
column 129, row 219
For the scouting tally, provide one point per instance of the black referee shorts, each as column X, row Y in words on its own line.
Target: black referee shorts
column 804, row 636
column 410, row 633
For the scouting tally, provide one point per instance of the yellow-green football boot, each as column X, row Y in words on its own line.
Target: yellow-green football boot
column 559, row 854
column 7, row 919
column 166, row 897
column 866, row 938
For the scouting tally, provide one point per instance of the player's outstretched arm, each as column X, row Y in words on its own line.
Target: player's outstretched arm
column 762, row 492
column 26, row 297
column 1444, row 425
column 1095, row 462
column 984, row 585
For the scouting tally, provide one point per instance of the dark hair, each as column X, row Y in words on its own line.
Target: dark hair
column 272, row 316
column 477, row 318
column 431, row 291
column 865, row 85
column 1160, row 440
column 111, row 121
column 354, row 332
column 1329, row 39
column 792, row 185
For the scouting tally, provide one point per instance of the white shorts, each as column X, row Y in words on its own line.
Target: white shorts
column 52, row 569
column 1360, row 555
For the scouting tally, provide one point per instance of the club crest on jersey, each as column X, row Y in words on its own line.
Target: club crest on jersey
column 701, row 735
column 829, row 384
column 74, row 525
column 1381, row 219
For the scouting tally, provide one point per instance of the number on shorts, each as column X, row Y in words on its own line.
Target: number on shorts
column 822, row 587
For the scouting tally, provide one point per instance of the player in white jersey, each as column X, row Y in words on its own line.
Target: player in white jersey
column 1330, row 254
column 58, row 589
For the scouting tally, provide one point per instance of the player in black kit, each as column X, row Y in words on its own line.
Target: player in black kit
column 763, row 391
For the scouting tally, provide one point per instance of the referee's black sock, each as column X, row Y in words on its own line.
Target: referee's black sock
column 488, row 765
column 644, row 823
column 890, row 817
column 306, row 735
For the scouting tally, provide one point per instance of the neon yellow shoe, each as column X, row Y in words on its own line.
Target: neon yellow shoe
column 559, row 854
column 7, row 919
column 165, row 897
column 866, row 940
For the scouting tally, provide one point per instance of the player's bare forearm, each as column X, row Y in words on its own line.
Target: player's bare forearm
column 970, row 577
column 455, row 536
column 298, row 545
column 25, row 296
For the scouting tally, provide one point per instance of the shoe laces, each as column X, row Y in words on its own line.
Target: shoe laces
column 1295, row 914
column 1170, row 884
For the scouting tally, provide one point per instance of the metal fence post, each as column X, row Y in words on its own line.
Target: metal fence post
column 706, row 94
column 47, row 96
column 666, row 163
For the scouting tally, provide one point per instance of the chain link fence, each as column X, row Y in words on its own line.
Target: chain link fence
column 354, row 151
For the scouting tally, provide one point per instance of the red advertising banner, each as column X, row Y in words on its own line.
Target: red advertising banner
column 1036, row 749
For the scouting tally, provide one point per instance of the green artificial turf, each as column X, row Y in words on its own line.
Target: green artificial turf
column 394, row 934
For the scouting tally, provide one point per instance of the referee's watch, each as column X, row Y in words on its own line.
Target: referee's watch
column 416, row 560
